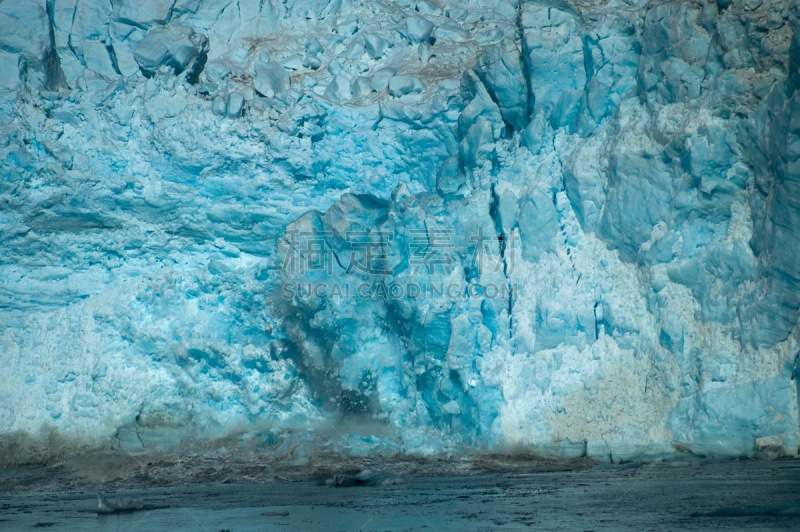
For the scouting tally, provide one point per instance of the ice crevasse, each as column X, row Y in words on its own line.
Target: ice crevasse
column 400, row 227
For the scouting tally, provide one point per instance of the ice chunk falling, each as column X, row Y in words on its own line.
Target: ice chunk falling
column 399, row 227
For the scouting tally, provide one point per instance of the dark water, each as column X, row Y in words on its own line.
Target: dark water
column 743, row 495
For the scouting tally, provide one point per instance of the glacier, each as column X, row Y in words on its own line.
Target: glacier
column 385, row 228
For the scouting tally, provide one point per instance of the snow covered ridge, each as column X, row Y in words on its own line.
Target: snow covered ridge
column 624, row 173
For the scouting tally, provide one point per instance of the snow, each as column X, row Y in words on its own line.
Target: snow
column 399, row 227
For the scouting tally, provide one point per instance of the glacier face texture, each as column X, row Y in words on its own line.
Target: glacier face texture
column 376, row 228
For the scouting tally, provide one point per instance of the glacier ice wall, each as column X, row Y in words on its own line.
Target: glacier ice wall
column 581, row 218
